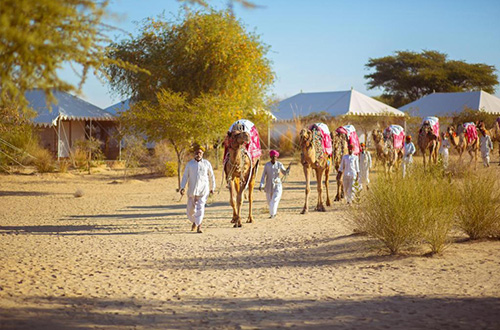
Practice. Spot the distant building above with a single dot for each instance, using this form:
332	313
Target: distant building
69	120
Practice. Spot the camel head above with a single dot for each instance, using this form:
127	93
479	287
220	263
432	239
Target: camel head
377	135
306	137
239	138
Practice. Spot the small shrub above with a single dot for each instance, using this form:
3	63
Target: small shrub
64	166
170	169
402	212
43	161
478	214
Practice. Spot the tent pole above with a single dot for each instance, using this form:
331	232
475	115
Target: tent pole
59	139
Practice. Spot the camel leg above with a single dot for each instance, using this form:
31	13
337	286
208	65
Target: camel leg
232	199
239	202
307	173
327	175
319	175
340	187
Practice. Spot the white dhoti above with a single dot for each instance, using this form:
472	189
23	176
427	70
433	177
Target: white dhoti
446	156
486	157
196	208
273	199
364	177
407	161
348	182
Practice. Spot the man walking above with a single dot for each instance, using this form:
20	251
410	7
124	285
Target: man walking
197	174
349	165
408	152
365	164
486	146
273	187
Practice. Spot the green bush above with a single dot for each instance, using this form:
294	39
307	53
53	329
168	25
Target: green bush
170	169
478	214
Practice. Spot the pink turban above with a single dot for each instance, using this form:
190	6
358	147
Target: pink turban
274	153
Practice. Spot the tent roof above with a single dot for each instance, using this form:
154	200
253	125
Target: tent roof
118	107
68	107
445	104
339	103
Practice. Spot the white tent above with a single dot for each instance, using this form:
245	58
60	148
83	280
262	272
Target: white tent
340	103
445	104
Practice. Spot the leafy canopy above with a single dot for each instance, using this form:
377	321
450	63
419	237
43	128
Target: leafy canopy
207	59
408	76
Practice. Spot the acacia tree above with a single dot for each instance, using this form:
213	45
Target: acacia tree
408	76
206	71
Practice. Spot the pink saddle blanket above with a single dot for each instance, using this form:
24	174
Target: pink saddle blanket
326	139
470	132
398	135
253	148
352	137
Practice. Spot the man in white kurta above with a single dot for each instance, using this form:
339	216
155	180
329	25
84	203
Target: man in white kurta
349	166
365	164
198	175
486	146
272	182
444	150
408	152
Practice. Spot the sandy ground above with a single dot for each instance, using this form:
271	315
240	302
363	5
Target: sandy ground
122	257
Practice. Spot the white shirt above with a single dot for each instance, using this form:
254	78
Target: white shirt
486	144
409	149
445	145
349	165
197	174
365	160
271	175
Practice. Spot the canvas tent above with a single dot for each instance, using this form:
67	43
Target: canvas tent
339	103
445	104
336	104
71	119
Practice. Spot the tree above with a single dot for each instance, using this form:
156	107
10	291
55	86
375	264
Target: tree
206	72
408	76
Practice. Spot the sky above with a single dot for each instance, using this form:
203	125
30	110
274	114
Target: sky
324	45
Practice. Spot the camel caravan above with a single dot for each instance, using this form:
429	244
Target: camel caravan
322	150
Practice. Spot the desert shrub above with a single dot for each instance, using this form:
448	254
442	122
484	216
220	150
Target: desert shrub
478	214
402	212
170	169
79	158
64	166
86	152
162	154
17	145
43	161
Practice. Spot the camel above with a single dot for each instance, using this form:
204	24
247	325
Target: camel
378	139
312	158
461	144
340	143
385	151
428	141
240	172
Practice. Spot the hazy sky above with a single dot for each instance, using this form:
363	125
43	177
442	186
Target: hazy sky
323	45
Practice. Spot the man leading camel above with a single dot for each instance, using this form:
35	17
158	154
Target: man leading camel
273	187
197	174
